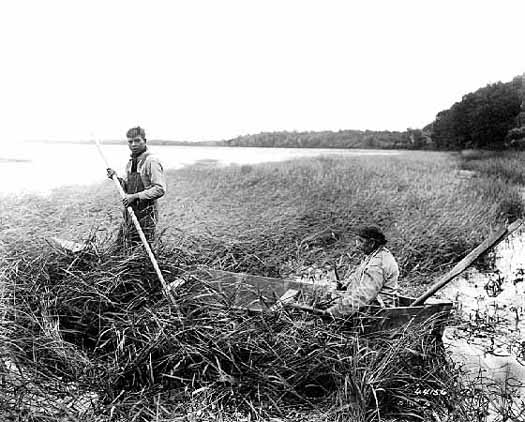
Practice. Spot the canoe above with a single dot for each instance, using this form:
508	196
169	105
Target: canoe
260	294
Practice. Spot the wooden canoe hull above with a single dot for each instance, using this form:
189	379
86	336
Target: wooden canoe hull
256	293
259	294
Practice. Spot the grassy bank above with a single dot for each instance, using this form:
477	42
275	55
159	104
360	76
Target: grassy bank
275	219
505	165
98	318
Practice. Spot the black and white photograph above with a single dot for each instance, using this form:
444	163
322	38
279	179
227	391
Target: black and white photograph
262	211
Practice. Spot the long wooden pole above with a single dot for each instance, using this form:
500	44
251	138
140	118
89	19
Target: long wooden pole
138	228
468	260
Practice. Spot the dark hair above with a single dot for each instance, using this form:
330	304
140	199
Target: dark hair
136	131
372	232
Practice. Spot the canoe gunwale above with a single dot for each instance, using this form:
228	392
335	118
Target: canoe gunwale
264	292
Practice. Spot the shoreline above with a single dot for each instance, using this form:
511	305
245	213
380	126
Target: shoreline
52	166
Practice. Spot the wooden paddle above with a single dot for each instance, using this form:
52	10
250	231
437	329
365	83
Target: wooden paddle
468	260
136	223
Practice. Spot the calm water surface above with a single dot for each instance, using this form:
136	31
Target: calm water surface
488	340
36	167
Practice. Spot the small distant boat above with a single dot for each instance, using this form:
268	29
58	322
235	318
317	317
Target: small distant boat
260	294
14	160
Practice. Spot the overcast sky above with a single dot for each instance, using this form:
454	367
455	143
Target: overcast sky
199	70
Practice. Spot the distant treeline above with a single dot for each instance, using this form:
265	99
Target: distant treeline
493	117
412	138
489	118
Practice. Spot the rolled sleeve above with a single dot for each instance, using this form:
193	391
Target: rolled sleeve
157	181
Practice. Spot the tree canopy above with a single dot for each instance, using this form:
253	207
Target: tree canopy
329	139
482	119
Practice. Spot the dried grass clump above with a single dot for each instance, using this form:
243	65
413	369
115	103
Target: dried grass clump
98	320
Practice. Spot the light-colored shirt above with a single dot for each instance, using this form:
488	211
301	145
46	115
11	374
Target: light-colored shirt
375	278
151	174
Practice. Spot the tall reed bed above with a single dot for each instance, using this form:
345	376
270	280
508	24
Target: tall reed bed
96	324
276	218
506	165
90	334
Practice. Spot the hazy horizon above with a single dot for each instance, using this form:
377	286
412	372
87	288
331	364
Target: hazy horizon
46	167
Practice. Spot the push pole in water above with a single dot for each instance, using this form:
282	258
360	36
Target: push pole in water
469	259
137	226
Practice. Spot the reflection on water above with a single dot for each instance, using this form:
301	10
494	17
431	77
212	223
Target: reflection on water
488	338
38	167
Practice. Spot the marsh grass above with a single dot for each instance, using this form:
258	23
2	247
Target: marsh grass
507	166
274	219
97	320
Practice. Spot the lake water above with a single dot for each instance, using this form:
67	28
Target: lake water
38	167
488	341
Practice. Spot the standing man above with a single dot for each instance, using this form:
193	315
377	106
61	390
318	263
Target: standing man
375	279
143	184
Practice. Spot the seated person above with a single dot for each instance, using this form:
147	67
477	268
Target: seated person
373	281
